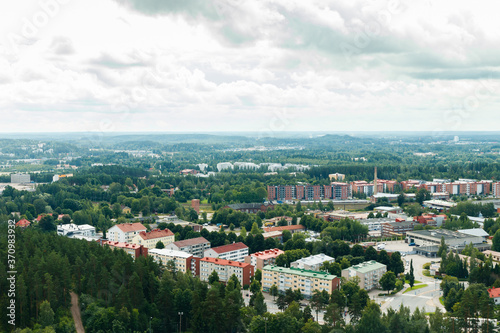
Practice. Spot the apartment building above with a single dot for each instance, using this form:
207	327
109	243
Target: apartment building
369	273
263	258
234	252
125	232
183	261
150	239
496	189
333	191
225	269
305	280
396	228
195	246
312	263
133	249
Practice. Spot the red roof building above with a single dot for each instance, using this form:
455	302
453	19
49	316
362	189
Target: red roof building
225	269
133	249
234	252
23	223
150	239
495	294
263	258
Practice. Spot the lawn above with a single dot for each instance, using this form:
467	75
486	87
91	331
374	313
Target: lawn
414	283
415	288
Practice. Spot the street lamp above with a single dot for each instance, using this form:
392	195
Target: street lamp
150	320
180	321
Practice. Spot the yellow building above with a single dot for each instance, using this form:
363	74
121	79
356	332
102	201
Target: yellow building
150	239
293	278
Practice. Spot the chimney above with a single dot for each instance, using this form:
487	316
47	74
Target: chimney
375	185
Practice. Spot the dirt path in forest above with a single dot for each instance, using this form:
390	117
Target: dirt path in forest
75	312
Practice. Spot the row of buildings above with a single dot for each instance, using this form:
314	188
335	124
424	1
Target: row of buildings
440	189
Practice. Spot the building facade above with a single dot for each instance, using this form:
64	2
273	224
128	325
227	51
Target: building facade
20	178
125	232
304	280
150	239
369	273
234	252
195	246
334	191
182	261
225	269
72	229
263	258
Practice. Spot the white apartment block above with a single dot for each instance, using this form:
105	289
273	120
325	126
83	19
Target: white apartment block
312	263
125	232
234	252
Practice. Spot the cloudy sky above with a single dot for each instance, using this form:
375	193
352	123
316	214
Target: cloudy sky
248	65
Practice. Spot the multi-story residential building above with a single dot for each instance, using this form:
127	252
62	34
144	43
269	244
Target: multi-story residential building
20	178
396	228
496	189
150	239
305	280
495	256
72	229
234	252
195	246
133	249
369	273
225	269
125	232
312	263
182	261
408	184
263	258
334	191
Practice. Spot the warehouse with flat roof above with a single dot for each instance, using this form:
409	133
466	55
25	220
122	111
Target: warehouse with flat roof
433	237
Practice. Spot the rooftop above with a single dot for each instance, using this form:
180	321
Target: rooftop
438	233
191	242
267	254
288	227
230	247
170	253
121	245
494	292
367	266
474	232
314	260
156	233
300	272
225	262
129	227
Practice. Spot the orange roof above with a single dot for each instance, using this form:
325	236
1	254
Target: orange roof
128	227
268	254
288	227
23	223
156	233
494	292
230	247
122	245
225	262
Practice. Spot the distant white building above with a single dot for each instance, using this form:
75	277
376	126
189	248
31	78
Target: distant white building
18	178
71	230
224	166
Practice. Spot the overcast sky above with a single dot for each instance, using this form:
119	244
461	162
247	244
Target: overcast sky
249	65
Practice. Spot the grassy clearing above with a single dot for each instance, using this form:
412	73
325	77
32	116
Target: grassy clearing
415	288
414	283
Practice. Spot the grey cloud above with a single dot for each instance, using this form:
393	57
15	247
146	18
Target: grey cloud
62	46
105	60
457	74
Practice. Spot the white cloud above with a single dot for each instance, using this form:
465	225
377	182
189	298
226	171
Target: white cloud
138	65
